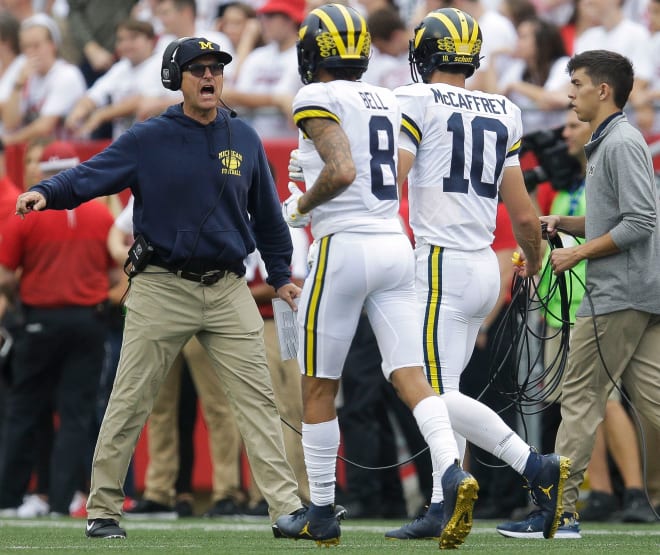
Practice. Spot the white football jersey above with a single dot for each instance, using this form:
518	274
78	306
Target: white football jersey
462	141
371	118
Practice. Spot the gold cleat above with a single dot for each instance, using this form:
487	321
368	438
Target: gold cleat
564	471
459	524
328	543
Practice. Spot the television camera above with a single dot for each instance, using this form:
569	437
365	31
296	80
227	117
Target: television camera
556	165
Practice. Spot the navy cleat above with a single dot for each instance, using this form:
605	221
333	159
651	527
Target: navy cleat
460	490
320	524
532	526
104	528
546	475
427	526
569	527
340	514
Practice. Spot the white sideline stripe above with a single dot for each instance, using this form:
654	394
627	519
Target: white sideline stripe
68	548
241	527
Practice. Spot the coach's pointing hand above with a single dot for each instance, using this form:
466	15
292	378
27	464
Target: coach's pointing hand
29	201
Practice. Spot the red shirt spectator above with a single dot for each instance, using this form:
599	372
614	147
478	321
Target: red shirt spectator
63	255
8	193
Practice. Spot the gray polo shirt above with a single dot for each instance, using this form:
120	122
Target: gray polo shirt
622	198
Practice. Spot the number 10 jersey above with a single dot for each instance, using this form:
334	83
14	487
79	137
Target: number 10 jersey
462	141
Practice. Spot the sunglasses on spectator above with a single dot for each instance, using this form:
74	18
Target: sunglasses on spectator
199	70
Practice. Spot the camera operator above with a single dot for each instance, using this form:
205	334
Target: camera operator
558	156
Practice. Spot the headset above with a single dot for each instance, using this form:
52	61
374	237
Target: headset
170	72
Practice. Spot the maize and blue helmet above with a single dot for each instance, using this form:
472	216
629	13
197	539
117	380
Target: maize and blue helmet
445	38
332	36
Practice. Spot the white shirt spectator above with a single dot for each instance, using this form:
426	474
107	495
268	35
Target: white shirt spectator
7	81
533	118
499	35
654	49
267	70
636	10
53	94
387	71
144	11
206	12
122	81
628	38
9	77
491	4
655	56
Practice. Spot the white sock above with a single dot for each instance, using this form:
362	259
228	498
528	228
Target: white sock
461	443
320	446
513	451
437	494
482	426
433	421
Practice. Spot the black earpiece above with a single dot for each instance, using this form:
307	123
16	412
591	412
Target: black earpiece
170	72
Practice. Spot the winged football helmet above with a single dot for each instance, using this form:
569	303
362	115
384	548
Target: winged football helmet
445	37
332	36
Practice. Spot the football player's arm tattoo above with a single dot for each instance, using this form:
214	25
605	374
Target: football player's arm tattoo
339	169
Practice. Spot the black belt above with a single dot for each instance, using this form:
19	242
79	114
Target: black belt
209	277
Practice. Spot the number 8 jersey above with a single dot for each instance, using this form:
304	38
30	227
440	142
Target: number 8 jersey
371	118
462	141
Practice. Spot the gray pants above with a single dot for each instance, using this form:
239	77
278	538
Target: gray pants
630	344
163	313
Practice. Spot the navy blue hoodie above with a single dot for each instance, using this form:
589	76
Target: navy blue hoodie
201	191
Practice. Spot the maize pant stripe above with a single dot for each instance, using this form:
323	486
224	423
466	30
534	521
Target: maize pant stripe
431	316
312	315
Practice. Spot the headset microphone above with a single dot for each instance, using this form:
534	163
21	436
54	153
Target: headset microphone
232	112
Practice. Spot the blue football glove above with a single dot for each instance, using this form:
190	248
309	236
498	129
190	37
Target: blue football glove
292	215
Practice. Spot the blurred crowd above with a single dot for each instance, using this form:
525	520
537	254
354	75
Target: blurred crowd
88	69
81	70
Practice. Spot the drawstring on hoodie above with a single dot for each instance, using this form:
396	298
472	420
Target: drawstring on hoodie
208	129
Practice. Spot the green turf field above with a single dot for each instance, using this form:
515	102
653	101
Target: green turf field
233	537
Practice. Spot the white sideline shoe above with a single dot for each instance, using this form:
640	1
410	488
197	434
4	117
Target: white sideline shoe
32	507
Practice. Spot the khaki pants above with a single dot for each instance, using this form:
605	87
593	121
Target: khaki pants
551	347
162	428
164	312
651	448
629	341
286	378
